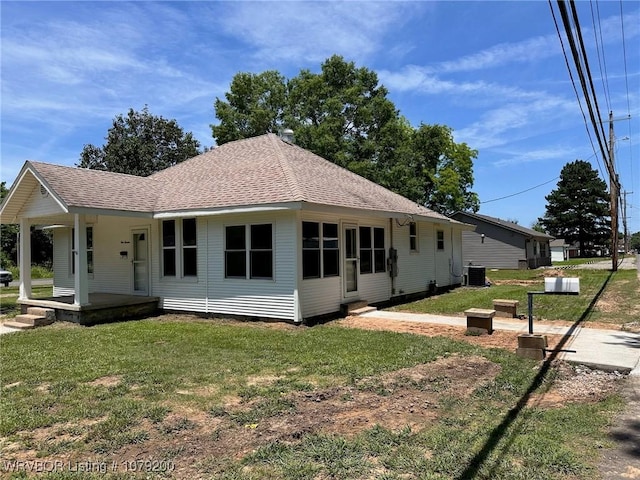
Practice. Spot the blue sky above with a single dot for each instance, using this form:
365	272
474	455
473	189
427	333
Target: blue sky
492	71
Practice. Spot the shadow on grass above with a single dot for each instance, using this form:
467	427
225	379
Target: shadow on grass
498	433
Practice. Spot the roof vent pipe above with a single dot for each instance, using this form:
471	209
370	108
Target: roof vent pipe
287	135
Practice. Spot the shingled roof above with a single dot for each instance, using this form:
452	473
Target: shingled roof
527	232
266	170
81	187
258	171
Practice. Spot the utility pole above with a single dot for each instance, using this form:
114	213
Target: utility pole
624	221
614	190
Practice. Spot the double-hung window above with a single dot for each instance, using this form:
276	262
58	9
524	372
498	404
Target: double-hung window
89	250
372	251
413	236
249	245
440	239
180	248
320	250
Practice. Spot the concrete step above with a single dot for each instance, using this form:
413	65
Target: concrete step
350	307
362	310
33	320
18	325
48	313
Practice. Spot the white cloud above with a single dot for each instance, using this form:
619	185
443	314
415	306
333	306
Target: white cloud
517	121
511	158
505	53
312	31
419	79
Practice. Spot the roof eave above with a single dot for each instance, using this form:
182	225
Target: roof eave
27	168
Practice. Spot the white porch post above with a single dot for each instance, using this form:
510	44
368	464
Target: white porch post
25	259
81	296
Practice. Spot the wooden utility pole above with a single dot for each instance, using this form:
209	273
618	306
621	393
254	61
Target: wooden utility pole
624	221
614	190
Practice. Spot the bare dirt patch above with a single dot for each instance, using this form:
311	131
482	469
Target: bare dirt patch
410	397
498	339
407	397
108	381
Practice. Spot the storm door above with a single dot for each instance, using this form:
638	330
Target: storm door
140	262
350	260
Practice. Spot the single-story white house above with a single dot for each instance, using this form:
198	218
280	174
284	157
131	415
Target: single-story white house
253	228
561	251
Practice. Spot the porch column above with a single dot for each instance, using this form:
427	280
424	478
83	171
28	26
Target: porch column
25	259
81	296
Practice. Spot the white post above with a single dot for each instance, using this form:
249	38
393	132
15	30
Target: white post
25	259
81	296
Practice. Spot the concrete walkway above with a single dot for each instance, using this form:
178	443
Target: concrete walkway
603	349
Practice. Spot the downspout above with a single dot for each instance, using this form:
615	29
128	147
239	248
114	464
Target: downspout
451	262
393	279
206	278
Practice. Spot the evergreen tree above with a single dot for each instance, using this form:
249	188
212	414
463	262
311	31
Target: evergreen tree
578	209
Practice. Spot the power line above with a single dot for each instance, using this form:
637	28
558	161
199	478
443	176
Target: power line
575	89
519	193
601	62
626	82
580	58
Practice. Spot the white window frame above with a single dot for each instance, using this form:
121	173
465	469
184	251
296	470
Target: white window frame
440	240
248	250
414	246
322	249
72	256
178	247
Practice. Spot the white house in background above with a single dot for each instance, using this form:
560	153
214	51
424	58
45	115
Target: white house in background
561	251
255	228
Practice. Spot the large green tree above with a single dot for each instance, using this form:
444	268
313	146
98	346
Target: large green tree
140	144
254	106
343	114
634	241
578	209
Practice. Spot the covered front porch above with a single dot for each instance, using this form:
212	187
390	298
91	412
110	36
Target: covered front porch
101	307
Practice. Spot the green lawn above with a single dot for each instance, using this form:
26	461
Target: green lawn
618	292
215	399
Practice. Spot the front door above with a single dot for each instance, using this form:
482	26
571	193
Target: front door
350	260
140	262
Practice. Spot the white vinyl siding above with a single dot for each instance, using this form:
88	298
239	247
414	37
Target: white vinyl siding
285	296
415	271
40	204
177	292
259	297
112	271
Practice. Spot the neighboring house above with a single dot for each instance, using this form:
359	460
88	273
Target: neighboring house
561	251
254	228
496	243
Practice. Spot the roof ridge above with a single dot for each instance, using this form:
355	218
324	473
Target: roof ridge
283	161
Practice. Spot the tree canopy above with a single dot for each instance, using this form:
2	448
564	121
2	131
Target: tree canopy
140	144
578	209
344	115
